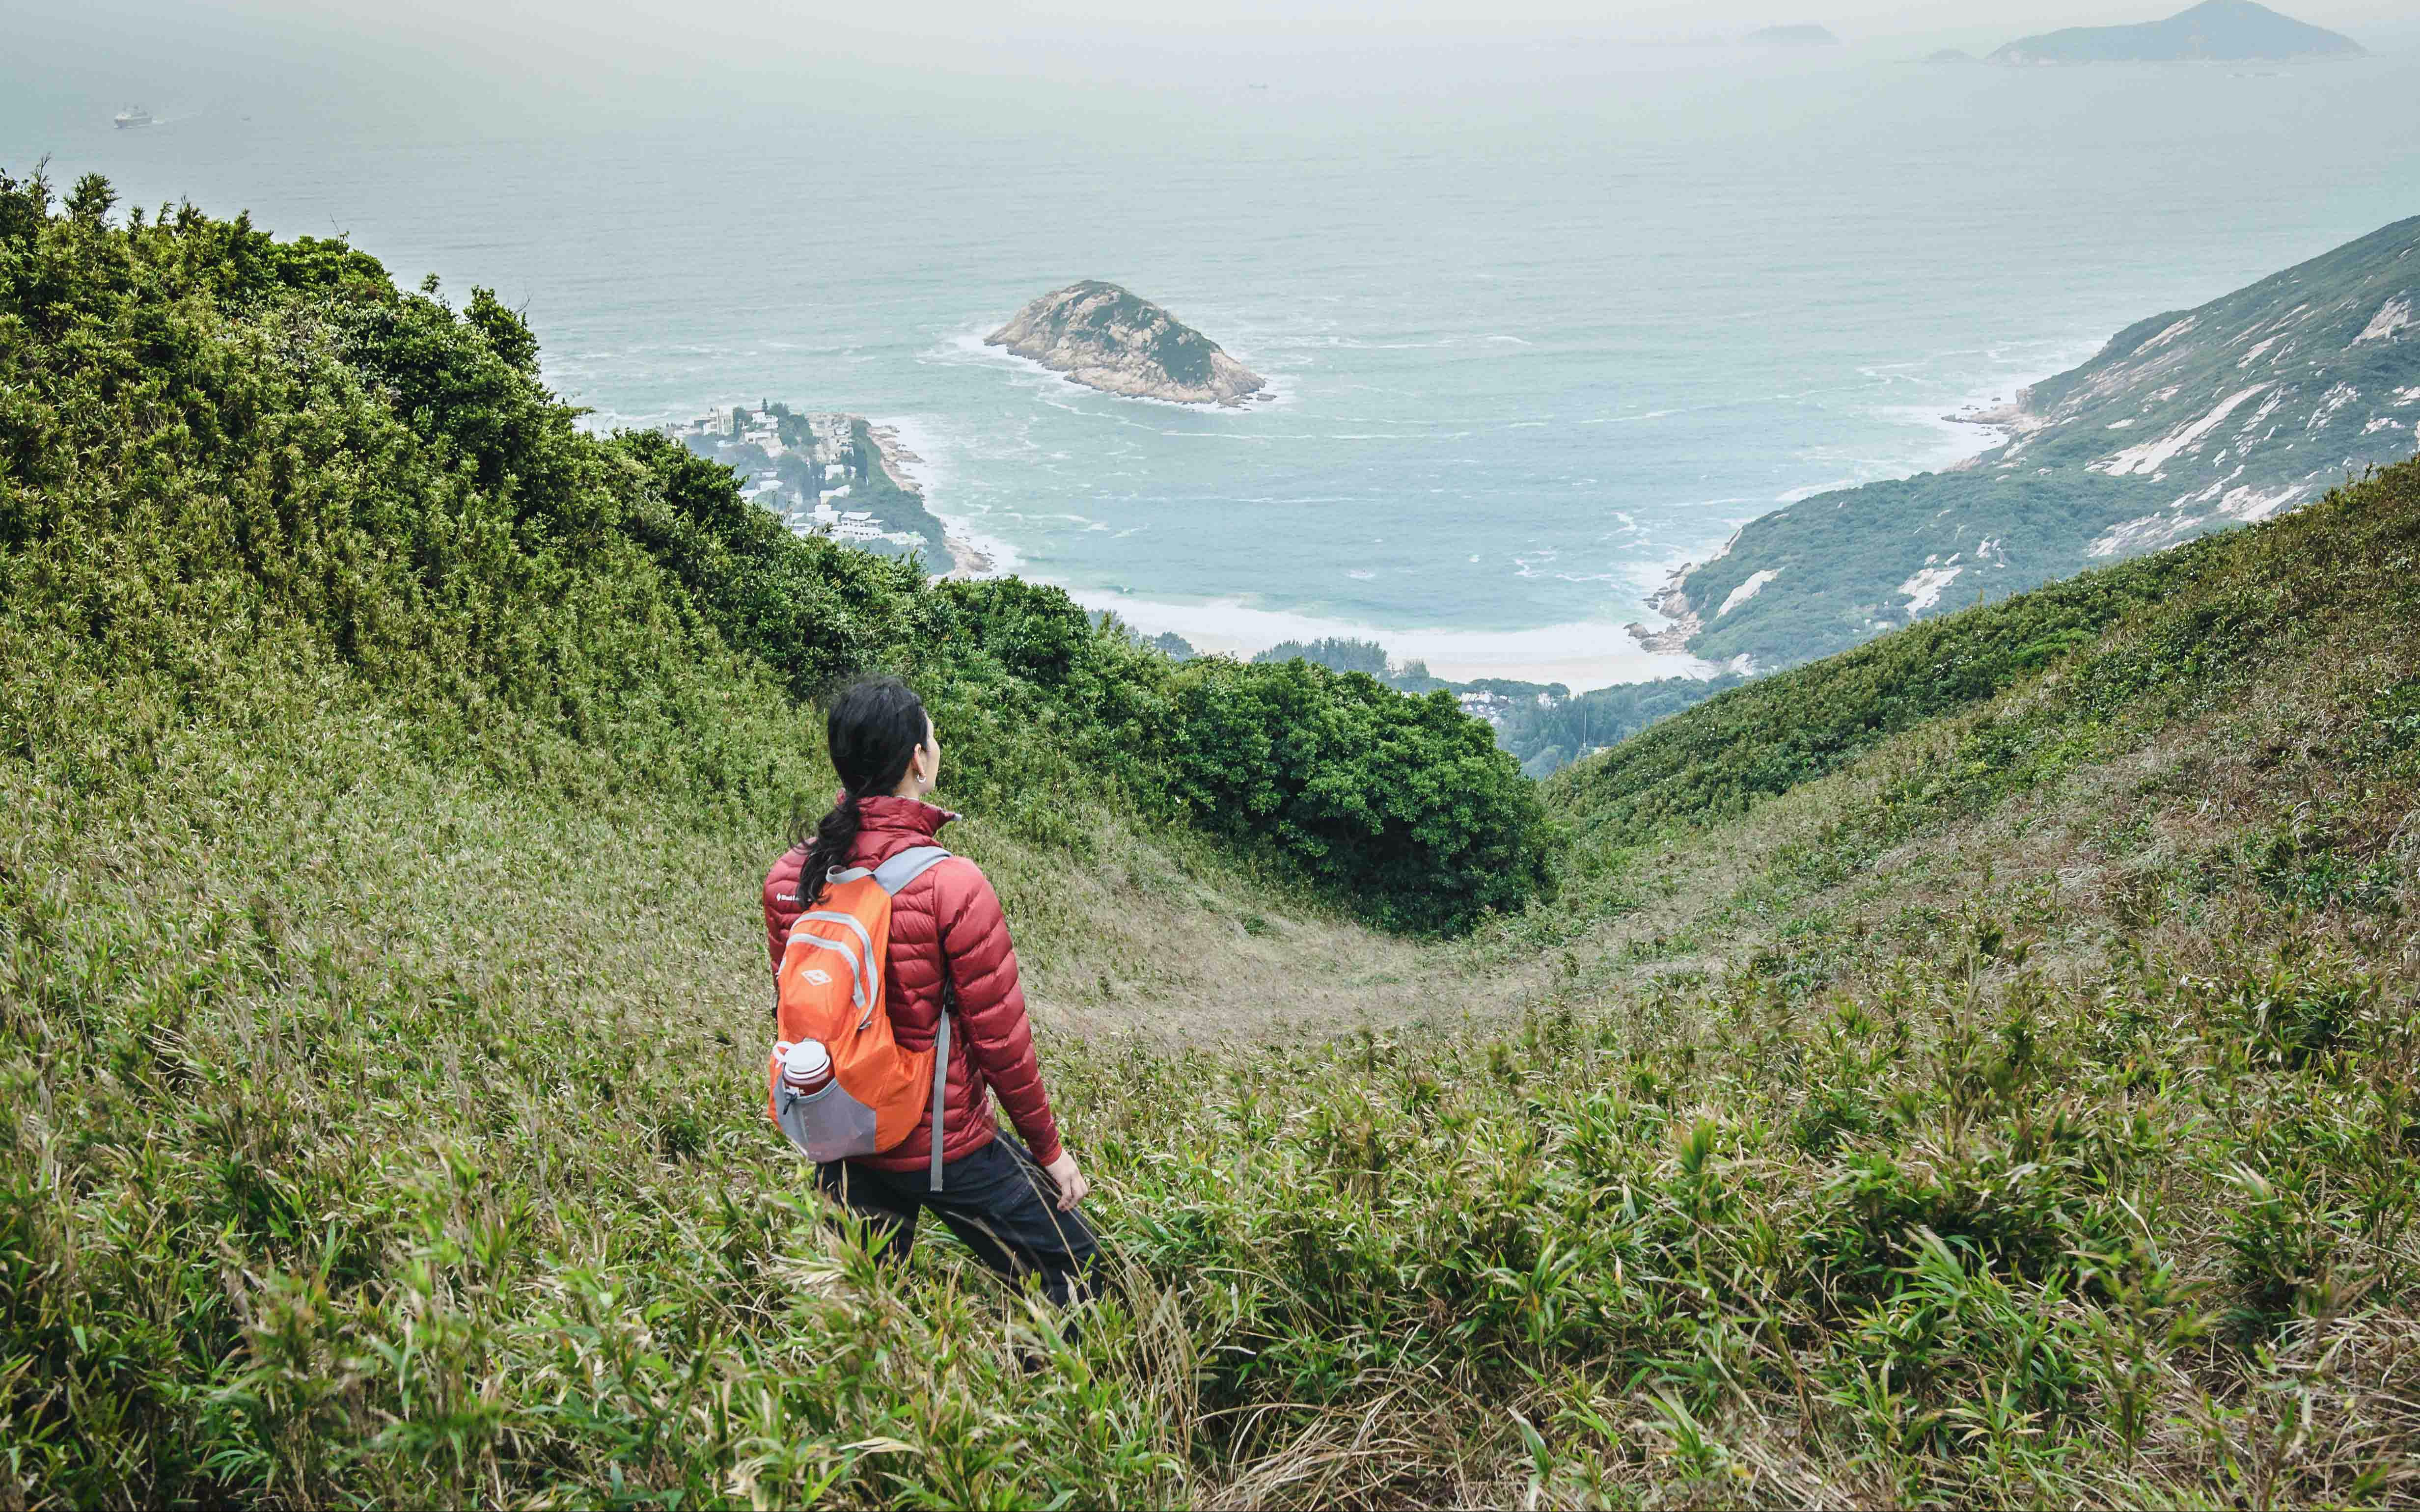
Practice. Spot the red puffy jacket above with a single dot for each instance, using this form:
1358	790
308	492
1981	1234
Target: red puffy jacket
948	914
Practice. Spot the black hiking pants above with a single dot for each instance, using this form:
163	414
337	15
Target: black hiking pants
999	1201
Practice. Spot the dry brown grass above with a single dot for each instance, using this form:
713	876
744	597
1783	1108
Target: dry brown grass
1155	934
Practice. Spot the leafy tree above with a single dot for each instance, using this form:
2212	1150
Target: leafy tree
1402	800
1335	652
88	203
508	337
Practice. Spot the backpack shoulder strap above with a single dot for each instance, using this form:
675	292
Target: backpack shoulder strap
891	877
906	867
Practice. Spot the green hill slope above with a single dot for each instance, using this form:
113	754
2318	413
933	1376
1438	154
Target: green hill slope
2185	423
2004	1099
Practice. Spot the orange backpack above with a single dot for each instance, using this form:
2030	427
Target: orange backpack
829	989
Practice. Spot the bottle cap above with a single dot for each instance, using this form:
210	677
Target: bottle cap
807	1060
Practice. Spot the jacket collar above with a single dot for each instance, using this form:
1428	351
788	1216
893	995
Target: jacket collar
907	816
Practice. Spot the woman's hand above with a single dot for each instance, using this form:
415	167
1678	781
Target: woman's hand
1073	1188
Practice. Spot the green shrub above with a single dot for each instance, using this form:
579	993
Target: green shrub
1403	801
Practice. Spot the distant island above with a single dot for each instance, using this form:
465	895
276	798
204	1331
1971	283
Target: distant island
839	476
1107	338
1802	36
2186	422
2217	31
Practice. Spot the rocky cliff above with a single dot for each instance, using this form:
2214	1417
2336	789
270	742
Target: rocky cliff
835	476
2185	423
1105	338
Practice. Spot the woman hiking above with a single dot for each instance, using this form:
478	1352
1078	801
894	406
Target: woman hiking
1013	1203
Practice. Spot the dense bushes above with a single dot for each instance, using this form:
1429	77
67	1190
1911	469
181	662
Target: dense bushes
207	434
1401	802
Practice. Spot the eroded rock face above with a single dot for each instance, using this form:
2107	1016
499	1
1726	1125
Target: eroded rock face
2187	421
1105	338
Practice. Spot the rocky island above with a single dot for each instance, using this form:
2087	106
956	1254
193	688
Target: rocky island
2217	31
1105	338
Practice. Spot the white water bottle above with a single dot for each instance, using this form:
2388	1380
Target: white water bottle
807	1068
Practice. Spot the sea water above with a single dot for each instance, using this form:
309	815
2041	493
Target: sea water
1535	339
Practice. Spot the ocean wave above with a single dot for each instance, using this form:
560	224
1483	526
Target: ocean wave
1624	420
1353	344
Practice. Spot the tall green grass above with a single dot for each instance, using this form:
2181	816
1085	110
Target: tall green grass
2029	1119
377	1134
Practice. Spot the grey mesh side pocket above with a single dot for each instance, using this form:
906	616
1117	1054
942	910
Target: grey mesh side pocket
828	1124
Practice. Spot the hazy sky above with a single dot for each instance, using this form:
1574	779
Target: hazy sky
1271	19
1023	35
453	65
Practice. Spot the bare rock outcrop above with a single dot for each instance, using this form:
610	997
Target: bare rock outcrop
1672	602
1105	338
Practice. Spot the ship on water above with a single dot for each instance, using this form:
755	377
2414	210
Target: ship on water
134	115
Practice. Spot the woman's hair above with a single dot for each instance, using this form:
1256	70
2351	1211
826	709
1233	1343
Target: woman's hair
873	730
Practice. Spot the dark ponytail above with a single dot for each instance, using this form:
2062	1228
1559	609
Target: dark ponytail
873	730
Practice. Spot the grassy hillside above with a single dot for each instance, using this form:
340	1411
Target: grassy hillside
2005	1098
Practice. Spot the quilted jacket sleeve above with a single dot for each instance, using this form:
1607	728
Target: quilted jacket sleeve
991	1004
782	905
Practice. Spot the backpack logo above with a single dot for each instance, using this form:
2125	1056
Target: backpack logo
818	976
